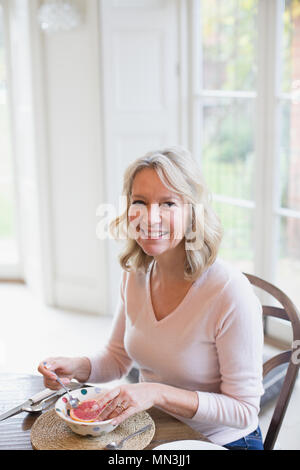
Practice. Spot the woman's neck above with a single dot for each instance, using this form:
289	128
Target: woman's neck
169	267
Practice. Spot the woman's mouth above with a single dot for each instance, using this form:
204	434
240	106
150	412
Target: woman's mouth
154	235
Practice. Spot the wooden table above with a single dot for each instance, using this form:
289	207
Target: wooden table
15	431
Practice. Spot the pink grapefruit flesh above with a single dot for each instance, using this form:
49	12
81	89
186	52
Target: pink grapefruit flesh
87	411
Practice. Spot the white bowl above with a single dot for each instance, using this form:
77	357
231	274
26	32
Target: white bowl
95	428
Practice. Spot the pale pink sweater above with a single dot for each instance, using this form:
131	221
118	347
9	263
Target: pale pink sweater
212	343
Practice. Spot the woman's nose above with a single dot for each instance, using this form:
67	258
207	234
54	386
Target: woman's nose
153	216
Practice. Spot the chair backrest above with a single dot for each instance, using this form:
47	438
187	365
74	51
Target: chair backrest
289	313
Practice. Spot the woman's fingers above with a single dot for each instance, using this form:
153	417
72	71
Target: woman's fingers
109	409
116	405
44	369
108	403
108	397
131	410
119	408
52	384
47	368
116	408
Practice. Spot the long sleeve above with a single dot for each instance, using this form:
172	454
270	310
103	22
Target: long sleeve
112	362
239	344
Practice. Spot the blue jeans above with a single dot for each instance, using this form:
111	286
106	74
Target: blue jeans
251	442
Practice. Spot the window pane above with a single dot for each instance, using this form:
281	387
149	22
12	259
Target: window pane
290	108
8	248
288	265
290	155
229	30
237	244
291	46
228	146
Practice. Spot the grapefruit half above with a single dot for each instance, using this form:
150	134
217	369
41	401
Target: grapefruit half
86	412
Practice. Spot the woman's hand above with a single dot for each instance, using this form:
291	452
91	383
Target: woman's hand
67	368
126	400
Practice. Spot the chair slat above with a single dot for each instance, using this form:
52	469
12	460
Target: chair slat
289	307
275	361
275	312
281	406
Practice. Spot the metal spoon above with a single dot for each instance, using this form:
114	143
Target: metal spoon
74	402
40	406
114	445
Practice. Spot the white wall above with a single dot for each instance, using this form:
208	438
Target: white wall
100	96
59	157
72	86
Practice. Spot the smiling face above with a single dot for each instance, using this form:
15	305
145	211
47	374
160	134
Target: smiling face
157	216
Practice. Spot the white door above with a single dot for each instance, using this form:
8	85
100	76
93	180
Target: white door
139	67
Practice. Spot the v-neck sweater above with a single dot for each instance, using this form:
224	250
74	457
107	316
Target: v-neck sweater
211	343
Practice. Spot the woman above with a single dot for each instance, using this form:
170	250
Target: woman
190	322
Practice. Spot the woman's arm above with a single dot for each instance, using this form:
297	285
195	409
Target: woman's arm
176	400
239	343
112	362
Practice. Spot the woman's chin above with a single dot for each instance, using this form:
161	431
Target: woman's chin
154	247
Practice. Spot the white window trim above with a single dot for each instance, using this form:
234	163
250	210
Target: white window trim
12	271
40	282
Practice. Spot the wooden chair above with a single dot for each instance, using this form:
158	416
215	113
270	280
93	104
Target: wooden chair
289	313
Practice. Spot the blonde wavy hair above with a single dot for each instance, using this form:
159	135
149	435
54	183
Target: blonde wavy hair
180	173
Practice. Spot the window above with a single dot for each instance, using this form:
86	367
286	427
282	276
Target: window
288	213
246	104
227	101
8	243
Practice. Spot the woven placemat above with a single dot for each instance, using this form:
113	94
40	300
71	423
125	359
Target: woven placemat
49	432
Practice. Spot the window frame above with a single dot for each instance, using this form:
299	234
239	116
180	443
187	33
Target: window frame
267	99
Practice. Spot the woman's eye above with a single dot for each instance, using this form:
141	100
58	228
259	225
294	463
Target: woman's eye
138	202
170	204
